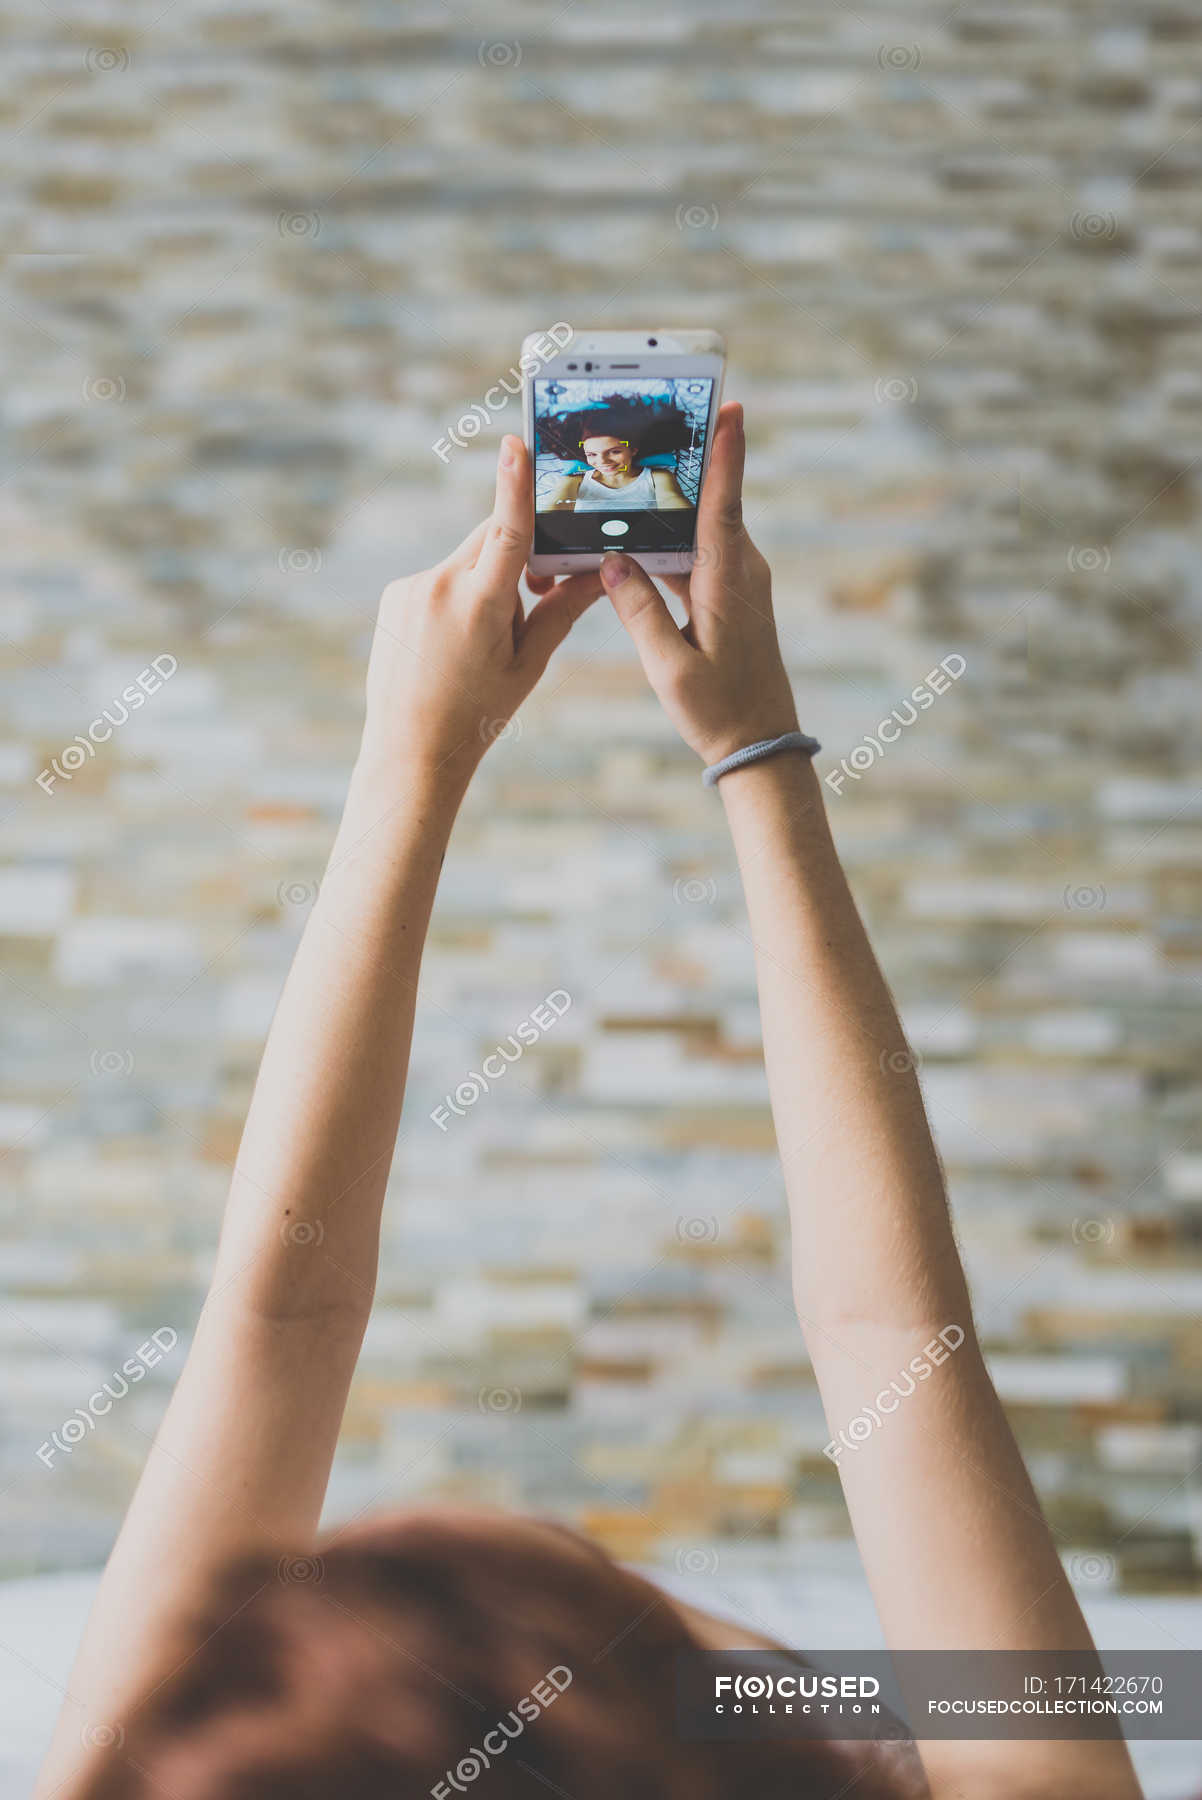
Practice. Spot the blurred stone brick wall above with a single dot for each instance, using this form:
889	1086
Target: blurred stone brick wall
257	260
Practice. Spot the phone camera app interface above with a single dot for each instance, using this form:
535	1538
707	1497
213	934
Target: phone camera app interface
618	463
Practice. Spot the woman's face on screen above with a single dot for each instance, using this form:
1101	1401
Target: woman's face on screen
609	455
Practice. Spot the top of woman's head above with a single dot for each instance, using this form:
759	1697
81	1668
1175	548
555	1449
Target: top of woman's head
378	1667
653	427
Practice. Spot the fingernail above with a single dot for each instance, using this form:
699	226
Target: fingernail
738	417
614	569
509	451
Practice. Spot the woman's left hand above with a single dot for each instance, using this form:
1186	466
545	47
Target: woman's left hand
455	653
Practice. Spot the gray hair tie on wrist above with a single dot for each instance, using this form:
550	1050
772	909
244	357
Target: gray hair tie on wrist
738	759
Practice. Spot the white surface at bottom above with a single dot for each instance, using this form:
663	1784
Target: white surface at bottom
820	1604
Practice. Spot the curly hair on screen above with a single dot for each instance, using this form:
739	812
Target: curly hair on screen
654	427
372	1668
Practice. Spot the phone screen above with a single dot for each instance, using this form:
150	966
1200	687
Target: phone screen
617	464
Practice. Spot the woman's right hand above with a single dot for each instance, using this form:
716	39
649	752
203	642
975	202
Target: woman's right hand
721	678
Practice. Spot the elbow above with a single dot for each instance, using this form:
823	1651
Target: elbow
336	1306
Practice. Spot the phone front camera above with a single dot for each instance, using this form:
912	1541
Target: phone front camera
588	365
653	342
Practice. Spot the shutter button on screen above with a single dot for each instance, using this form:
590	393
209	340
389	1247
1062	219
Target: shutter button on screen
615	527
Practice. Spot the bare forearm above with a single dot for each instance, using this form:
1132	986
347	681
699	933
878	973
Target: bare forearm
881	1293
243	1455
302	1224
859	1165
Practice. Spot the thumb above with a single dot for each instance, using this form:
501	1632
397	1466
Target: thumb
641	608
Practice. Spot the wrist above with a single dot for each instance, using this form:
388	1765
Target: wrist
394	799
394	770
788	778
777	722
391	841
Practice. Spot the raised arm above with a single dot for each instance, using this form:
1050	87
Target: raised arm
668	494
243	1456
562	498
955	1546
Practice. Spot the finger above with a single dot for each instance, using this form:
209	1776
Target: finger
720	512
551	620
539	584
510	532
641	608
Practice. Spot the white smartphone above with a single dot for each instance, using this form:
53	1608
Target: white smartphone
619	426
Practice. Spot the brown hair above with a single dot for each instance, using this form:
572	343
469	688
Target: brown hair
375	1668
650	425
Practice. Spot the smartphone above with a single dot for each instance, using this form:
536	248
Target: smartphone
619	426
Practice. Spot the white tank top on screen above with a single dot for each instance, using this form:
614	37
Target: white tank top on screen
638	496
